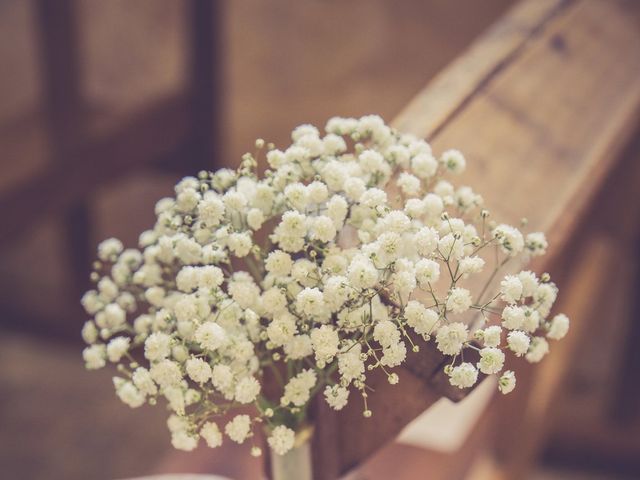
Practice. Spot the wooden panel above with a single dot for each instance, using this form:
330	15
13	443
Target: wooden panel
445	95
541	130
140	139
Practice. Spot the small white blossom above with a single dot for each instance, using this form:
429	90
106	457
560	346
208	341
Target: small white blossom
166	373
142	380
255	218
279	263
529	283
531	320
336	396
222	377
464	375
298	346
510	239
511	289
247	389
537	350
240	244
95	357
409	184
426	241
433	205
373	197
238	429
128	393
559	327
198	370
471	265
325	343
507	382
281	439
491	360
451	247
362	273
459	300
117	348
394	354
109	249
323	229
210	336
210	277
536	243
210	210
183	440
211	434
89	332
420	318
386	333
424	165
427	272
518	342
513	317
282	329
453	161
310	301
350	363
491	336
451	338
298	389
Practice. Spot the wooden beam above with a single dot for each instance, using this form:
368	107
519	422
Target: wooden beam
63	104
60	72
205	82
144	137
448	92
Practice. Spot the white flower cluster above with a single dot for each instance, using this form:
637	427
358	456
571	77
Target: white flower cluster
344	257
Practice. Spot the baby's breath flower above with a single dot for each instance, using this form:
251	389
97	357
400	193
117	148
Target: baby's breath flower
451	338
491	336
459	300
518	342
354	246
95	356
559	327
211	434
464	375
117	348
513	317
281	439
297	390
507	382
491	360
325	343
511	289
336	396
537	350
247	389
198	370
238	429
454	161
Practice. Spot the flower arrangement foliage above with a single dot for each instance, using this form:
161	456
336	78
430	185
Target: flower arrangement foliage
265	290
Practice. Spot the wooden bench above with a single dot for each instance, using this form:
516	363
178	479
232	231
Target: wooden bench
542	105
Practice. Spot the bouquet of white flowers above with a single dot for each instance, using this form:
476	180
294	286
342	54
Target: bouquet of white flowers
349	251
